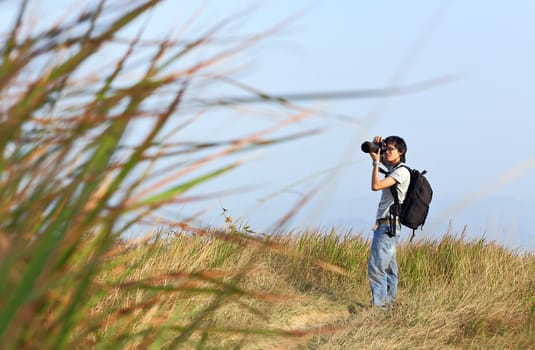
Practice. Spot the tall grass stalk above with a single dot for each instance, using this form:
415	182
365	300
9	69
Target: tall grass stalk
80	143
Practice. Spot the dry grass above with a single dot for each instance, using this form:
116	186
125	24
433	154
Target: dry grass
471	294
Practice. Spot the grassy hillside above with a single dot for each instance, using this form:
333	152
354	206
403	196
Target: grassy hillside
230	291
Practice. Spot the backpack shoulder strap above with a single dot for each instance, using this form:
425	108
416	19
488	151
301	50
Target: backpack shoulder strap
383	171
395	208
393	188
404	166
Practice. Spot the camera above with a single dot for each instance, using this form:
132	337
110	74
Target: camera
372	147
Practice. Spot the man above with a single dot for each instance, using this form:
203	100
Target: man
382	264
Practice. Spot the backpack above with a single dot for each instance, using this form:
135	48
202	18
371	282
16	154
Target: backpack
414	209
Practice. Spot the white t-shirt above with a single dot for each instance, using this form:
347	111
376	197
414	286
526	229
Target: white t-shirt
403	178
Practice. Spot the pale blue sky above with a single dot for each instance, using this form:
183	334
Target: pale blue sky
473	135
470	135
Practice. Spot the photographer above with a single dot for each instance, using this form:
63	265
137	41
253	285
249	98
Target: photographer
382	264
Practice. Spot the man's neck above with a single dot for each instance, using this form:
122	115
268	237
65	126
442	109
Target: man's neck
391	166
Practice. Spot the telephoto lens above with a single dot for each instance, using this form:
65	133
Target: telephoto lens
369	147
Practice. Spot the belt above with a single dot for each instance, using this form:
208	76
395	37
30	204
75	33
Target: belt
383	221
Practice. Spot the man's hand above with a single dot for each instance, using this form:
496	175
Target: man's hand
376	157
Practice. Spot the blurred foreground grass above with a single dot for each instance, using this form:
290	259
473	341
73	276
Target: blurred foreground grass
88	116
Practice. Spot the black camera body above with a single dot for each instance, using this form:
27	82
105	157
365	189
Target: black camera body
372	147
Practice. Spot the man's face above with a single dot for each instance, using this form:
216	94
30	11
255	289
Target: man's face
391	155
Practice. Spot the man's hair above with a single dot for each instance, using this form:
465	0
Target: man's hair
399	143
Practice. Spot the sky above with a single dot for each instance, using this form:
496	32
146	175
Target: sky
472	132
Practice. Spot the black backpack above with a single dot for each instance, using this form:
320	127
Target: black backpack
414	209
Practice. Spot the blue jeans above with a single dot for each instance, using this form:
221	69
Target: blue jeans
383	267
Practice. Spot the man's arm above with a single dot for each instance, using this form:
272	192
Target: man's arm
377	182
